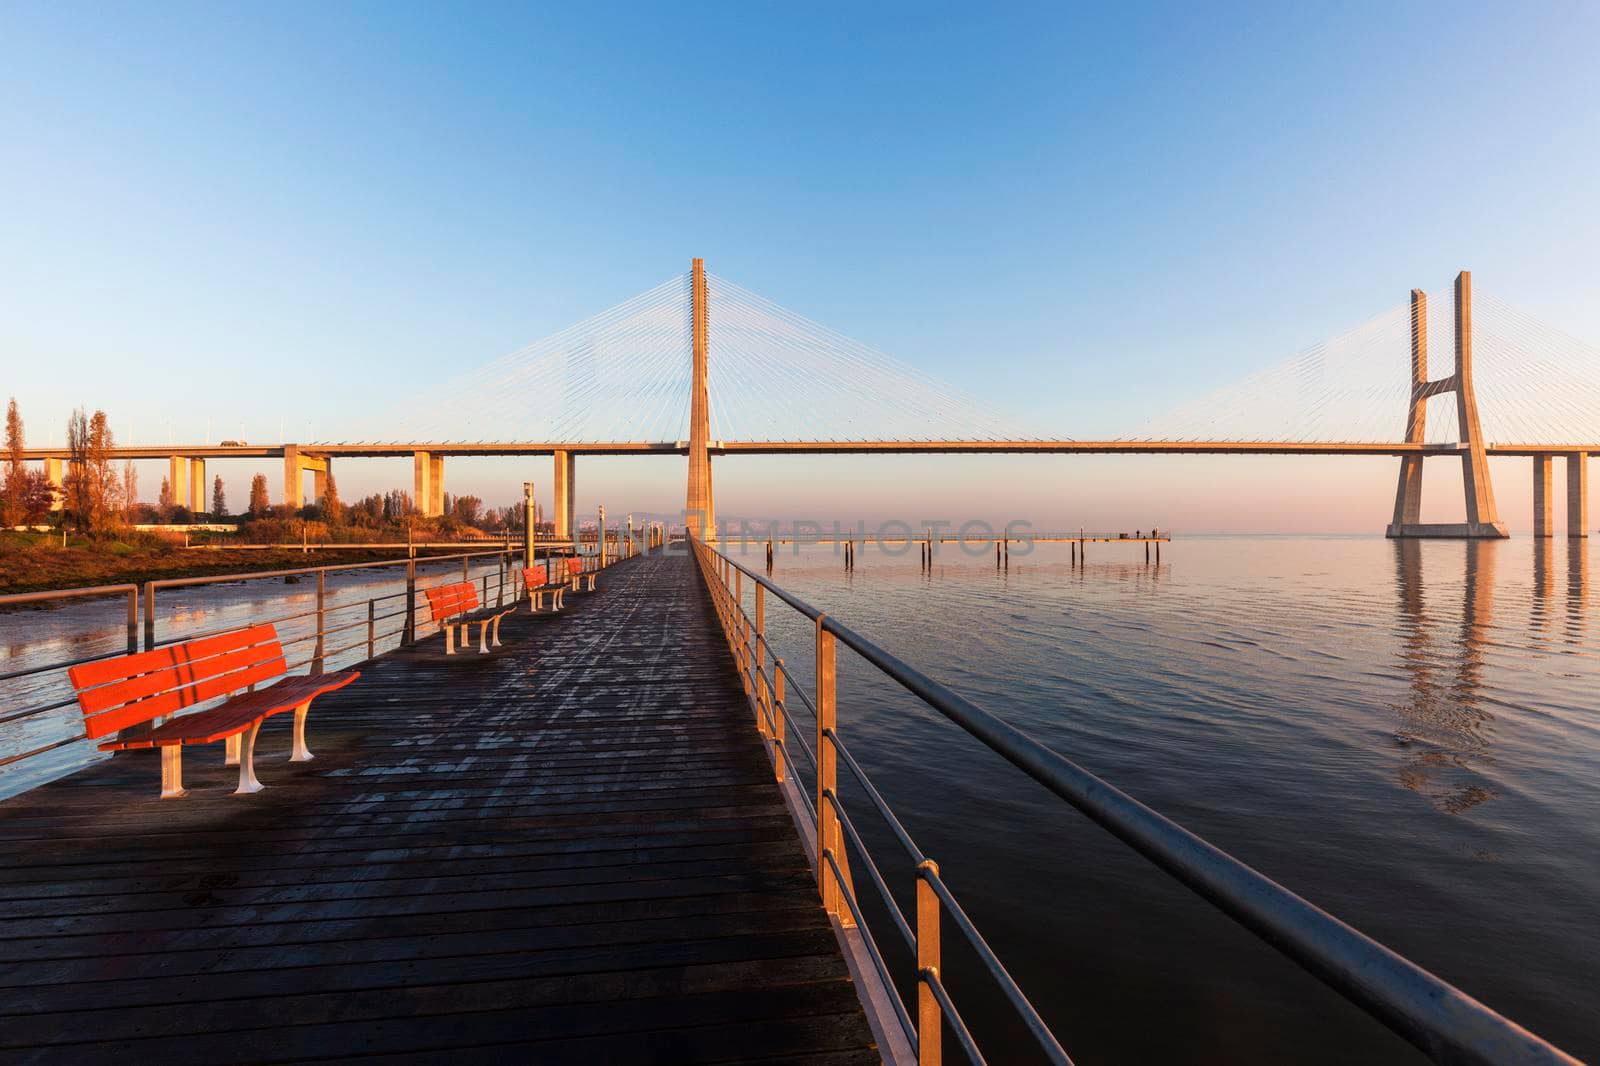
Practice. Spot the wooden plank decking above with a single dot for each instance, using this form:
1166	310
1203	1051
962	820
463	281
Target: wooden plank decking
571	851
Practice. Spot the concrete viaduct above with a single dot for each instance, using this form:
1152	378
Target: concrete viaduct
187	463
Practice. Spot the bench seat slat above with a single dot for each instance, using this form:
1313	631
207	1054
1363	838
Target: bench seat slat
187	696
238	714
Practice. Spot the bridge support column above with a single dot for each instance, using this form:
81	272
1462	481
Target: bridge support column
295	465
699	508
1578	495
52	472
197	486
1482	520
429	483
1543	511
564	510
294	496
178	480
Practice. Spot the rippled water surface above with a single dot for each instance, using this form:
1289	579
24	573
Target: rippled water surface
1404	733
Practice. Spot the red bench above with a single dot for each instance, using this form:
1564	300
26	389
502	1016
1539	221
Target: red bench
131	693
457	605
576	573
536	582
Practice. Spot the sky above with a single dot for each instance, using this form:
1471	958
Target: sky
258	221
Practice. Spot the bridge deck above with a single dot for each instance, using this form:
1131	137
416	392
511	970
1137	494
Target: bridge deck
571	851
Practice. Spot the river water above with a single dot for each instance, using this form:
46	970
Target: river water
1406	734
1403	733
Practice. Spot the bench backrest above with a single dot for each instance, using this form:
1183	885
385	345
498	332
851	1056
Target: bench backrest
117	693
447	601
534	576
575	565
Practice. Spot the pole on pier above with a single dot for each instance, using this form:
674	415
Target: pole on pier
833	869
930	1020
777	719
408	634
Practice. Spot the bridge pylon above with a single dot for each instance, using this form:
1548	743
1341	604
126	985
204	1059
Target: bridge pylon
699	510
1482	520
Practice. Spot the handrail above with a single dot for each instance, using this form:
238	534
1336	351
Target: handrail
1435	1016
504	583
316	634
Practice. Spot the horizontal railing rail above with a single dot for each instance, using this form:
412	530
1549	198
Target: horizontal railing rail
310	649
1440	1019
304	650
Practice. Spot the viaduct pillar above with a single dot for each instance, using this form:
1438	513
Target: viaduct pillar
564	511
197	486
1578	494
699	511
295	464
429	483
1543	507
178	480
52	471
1482	520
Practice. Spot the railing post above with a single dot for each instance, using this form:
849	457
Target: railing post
322	591
371	627
930	1021
466	571
133	619
149	615
830	837
778	769
408	631
763	697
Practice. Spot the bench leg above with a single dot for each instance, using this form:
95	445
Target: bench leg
449	639
300	752
230	751
247	763
495	643
483	638
561	598
172	772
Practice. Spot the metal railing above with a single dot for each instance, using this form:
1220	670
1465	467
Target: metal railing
325	624
1441	1020
331	629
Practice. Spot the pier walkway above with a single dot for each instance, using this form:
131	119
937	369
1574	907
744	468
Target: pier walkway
570	851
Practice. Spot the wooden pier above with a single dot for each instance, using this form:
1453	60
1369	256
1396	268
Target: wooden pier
569	851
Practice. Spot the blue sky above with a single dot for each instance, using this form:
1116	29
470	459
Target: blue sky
277	214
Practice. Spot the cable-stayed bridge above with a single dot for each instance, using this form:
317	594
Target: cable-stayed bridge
700	366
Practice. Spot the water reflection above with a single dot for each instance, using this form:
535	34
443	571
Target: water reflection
1441	723
1577	588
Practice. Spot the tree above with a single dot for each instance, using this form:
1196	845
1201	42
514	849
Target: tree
130	488
219	501
166	503
105	482
77	484
38	496
92	487
260	506
468	509
14	490
332	509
